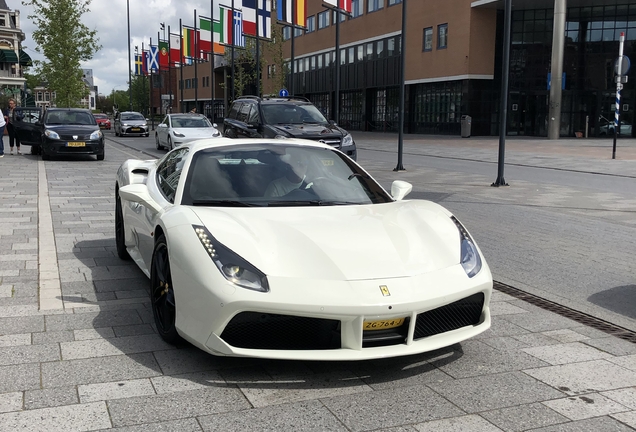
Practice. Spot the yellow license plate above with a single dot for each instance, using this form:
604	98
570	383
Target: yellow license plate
76	144
383	324
135	130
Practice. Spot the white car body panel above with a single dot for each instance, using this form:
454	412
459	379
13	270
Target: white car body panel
410	247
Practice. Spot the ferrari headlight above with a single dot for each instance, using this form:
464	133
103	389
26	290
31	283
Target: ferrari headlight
96	135
347	140
234	268
51	134
470	259
177	134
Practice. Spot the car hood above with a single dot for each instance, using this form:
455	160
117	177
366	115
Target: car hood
207	132
133	122
348	243
309	130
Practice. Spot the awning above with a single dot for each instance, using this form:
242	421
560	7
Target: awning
25	59
8	56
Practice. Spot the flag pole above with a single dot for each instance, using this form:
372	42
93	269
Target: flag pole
196	64
129	65
232	42
293	32
212	94
152	114
258	53
336	115
169	71
159	72
181	63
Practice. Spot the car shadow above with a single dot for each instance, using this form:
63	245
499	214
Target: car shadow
619	299
116	294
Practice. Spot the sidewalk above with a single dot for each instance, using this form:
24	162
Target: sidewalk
95	362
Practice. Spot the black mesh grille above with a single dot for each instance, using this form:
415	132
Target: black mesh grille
256	330
462	313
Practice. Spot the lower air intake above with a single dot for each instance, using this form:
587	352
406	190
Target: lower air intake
462	313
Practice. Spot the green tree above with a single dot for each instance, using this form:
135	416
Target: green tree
140	88
280	67
65	42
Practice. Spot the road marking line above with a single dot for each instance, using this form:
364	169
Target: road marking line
50	288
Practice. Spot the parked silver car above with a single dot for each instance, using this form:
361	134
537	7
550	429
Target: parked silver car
130	123
178	129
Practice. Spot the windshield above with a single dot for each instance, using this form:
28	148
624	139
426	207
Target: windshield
278	175
132	116
283	113
69	118
190	122
100	116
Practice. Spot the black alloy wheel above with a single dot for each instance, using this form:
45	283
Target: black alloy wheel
120	236
162	293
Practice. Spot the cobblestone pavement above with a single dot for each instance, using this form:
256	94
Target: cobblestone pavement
88	357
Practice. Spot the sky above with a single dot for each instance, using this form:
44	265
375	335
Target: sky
109	18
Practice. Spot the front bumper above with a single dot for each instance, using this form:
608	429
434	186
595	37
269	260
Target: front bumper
134	130
324	320
62	147
104	126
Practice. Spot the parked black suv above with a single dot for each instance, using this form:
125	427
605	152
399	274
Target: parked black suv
289	117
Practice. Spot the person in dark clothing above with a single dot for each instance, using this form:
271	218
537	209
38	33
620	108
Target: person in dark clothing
10	118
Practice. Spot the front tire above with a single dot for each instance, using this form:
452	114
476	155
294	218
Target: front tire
162	293
159	146
169	144
120	232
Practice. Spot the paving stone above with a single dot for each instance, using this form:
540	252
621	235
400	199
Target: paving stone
187	359
92	320
505	343
52	397
14	355
15	340
585	406
52	337
629	418
504	390
187	382
613	345
71	417
566	353
474	357
306	416
10	402
104	369
536	339
472	423
626	397
504	308
390	408
115	390
134	330
113	346
565	335
524	417
183	425
598	424
586	377
502	327
94	333
172	406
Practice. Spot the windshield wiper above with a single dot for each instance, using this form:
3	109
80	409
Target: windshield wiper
222	203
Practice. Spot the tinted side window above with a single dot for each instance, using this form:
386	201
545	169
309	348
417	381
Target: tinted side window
169	173
253	116
234	110
244	112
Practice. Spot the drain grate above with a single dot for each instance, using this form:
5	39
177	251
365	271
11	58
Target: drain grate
575	315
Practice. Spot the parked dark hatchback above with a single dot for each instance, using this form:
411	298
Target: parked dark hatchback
60	131
288	117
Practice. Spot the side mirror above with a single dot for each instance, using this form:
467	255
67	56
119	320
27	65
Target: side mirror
400	189
333	123
138	193
161	125
215	125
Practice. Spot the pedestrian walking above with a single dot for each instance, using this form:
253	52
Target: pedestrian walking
10	119
2	124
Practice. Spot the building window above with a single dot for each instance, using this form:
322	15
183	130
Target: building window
3	21
286	33
269	71
188	84
360	53
442	36
343	17
380	48
319	61
394	2
39	96
428	39
312	64
298	31
351	55
323	20
357	8
311	24
47	96
374	5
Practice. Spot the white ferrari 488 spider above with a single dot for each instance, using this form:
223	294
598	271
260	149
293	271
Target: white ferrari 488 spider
288	249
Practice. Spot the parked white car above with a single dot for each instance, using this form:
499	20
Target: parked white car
178	129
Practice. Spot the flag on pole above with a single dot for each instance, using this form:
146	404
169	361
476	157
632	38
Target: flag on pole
344	5
153	64
209	39
188	42
138	64
175	48
287	14
264	16
249	17
164	58
144	63
226	25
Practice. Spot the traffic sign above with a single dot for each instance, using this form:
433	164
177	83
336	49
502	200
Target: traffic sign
625	65
283	93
